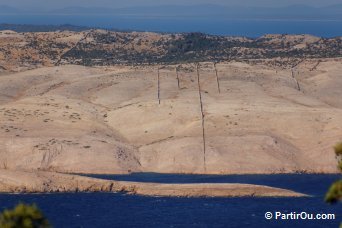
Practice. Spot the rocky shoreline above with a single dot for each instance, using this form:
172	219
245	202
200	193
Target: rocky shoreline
49	182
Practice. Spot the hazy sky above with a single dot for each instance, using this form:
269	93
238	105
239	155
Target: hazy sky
51	4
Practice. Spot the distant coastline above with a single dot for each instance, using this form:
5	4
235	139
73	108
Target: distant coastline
46	27
215	26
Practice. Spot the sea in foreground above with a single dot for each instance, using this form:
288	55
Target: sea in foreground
120	210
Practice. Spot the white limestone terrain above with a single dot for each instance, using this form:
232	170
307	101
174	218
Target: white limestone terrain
256	118
247	109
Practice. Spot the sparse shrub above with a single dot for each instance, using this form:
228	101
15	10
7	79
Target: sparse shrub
338	149
23	216
335	192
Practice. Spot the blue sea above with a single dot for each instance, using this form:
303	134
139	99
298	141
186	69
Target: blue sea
220	26
120	210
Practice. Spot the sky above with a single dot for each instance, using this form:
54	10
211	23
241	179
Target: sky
56	4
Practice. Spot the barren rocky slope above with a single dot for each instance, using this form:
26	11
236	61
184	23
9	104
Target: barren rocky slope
109	120
254	111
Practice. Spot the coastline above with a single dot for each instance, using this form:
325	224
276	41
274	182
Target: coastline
48	182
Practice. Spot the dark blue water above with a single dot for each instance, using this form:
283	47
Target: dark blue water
249	28
118	210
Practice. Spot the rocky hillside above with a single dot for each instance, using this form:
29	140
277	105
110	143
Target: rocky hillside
99	47
113	102
247	118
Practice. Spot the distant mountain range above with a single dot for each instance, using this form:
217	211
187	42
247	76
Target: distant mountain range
42	28
291	12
